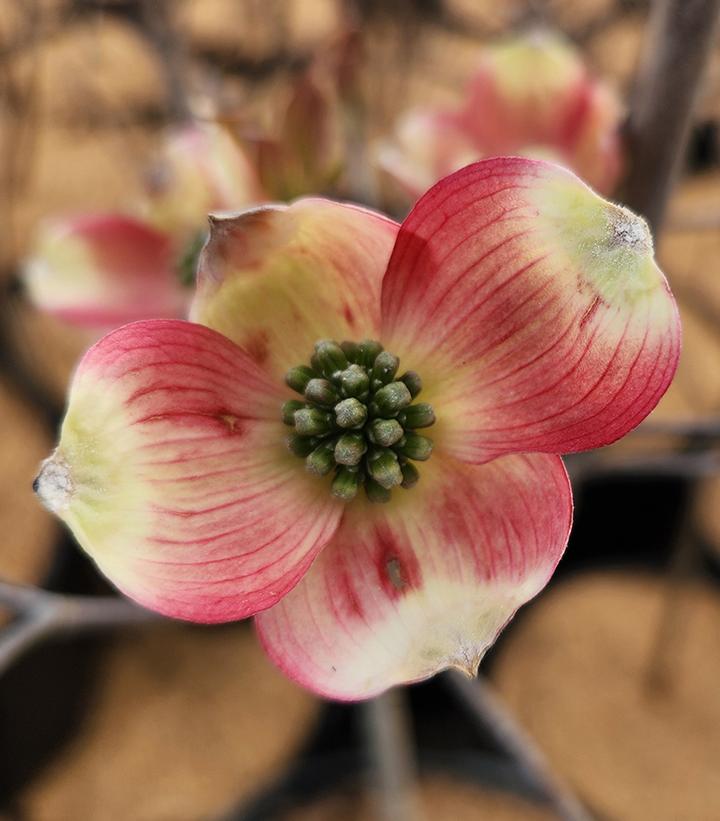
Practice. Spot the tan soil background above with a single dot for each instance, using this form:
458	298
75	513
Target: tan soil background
184	722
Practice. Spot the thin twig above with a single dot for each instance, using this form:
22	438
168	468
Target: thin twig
40	614
488	710
157	25
678	46
678	464
707	427
387	730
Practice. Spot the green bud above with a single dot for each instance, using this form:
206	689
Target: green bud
392	398
186	266
313	422
350	449
412	382
297	378
321	392
288	410
300	445
417	416
410	474
346	483
385	432
321	460
384	468
415	446
354	381
331	357
350	413
368	351
376	492
350	349
384	369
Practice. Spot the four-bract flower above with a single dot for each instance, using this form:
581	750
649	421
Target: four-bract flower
529	319
101	270
530	94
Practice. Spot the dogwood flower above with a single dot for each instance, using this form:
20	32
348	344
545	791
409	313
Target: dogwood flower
530	95
388	520
101	270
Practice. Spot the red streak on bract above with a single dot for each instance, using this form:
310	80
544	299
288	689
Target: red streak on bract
346	593
592	308
397	566
256	346
349	316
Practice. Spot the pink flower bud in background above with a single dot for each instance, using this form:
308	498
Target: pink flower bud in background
202	169
301	155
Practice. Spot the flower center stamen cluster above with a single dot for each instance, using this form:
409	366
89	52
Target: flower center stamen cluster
358	419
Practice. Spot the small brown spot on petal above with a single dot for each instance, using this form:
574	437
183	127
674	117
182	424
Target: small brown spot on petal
395	573
232	422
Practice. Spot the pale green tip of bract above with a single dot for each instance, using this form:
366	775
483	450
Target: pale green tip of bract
610	246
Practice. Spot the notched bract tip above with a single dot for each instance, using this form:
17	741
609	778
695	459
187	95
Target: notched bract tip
221	221
629	230
53	484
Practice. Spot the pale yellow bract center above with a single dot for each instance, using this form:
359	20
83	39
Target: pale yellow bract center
610	246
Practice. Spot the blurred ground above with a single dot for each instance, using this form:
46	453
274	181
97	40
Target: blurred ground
182	723
579	675
438	798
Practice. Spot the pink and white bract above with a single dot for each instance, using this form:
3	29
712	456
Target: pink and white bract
102	270
540	324
530	95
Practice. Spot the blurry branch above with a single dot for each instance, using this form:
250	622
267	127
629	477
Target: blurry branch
695	456
708	428
680	464
677	49
157	26
387	733
255	68
40	614
490	713
616	12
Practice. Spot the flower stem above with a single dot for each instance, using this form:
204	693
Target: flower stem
488	710
677	49
387	730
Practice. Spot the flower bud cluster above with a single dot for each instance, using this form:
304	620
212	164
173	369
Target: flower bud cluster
357	419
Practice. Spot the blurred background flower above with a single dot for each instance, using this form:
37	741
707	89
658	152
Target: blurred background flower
531	95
